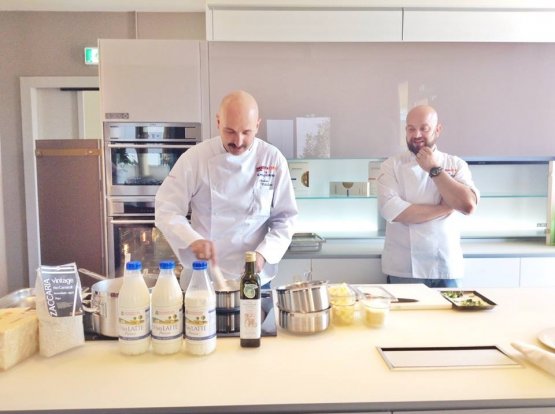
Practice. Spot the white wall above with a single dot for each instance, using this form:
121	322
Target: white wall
3	269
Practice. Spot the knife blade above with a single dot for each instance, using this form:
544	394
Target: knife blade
405	300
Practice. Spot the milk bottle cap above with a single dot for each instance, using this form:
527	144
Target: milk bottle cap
135	265
167	264
199	265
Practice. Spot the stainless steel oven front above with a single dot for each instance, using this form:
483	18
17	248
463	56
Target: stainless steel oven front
139	156
132	235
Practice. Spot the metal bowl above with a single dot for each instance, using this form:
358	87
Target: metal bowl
22	298
227	299
303	297
227	321
304	323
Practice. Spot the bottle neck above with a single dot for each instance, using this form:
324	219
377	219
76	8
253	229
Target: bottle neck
166	273
133	273
250	268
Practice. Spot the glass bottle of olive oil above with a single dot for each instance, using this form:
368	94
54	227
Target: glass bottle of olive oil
250	304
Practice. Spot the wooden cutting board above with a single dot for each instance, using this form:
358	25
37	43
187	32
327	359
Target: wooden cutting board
427	298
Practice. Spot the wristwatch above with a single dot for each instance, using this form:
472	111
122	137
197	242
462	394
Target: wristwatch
435	171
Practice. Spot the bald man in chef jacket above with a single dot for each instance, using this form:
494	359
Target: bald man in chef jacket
240	195
422	194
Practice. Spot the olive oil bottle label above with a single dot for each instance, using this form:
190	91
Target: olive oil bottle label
249	290
250	318
167	322
134	324
200	323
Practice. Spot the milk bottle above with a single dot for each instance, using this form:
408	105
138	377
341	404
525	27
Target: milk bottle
167	311
133	311
200	312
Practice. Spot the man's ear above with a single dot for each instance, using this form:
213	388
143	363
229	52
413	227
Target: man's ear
439	128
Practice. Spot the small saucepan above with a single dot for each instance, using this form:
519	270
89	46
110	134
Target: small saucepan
303	297
227	311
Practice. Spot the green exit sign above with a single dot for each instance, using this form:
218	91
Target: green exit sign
91	56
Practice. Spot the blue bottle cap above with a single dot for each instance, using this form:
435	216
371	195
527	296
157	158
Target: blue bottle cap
135	265
199	265
167	264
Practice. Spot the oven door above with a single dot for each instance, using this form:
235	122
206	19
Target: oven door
139	169
137	238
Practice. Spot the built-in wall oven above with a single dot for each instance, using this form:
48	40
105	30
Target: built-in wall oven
132	235
138	157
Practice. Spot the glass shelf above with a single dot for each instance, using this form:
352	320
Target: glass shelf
482	196
513	195
336	197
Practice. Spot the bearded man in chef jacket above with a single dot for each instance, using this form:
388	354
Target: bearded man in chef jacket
239	192
421	195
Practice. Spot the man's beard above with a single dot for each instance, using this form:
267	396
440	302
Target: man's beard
415	148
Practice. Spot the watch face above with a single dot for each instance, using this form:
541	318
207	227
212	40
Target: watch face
435	171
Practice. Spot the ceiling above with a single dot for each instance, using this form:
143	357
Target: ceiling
105	5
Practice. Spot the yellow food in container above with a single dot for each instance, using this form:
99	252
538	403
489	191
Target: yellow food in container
343	301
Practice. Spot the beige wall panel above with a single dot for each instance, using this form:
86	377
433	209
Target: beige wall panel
49	44
171	26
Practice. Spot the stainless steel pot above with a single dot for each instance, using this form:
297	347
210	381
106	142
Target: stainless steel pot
104	305
227	311
227	299
309	296
304	323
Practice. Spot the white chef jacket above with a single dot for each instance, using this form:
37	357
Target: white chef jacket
240	202
429	250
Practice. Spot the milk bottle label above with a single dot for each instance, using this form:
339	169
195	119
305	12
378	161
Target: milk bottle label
134	324
200	323
167	322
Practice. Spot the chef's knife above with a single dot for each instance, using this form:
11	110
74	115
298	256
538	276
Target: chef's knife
404	300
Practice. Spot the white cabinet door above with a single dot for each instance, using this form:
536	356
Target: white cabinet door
485	411
537	272
304	25
491	272
291	270
150	80
479	25
348	270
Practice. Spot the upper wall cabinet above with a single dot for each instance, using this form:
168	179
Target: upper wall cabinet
304	25
471	25
150	80
381	20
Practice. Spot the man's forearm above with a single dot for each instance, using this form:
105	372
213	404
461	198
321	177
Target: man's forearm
457	195
420	213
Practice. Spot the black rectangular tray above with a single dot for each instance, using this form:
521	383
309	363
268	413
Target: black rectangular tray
484	304
447	357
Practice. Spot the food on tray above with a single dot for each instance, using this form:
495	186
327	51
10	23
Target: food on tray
467	299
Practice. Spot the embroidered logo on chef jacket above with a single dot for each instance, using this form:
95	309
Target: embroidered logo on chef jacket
265	175
451	171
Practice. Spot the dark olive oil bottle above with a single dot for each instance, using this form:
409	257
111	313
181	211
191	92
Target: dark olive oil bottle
250	304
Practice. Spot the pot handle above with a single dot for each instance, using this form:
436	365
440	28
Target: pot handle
92	274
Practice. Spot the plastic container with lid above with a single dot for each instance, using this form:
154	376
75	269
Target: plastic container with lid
343	304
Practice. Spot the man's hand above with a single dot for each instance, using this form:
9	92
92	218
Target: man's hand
204	250
260	262
426	159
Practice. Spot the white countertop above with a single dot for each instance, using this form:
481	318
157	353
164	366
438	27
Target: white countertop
372	248
340	367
